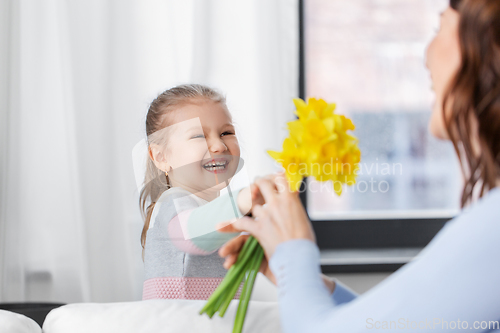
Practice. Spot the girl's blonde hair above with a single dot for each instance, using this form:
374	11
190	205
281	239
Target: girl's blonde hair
156	181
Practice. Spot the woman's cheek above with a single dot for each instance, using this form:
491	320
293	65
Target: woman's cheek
436	125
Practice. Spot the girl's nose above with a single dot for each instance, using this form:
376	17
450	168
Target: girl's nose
217	146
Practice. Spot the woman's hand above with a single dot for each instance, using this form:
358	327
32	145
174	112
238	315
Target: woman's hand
282	218
231	250
248	198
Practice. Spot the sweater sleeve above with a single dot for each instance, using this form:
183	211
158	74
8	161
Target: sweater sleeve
452	283
342	294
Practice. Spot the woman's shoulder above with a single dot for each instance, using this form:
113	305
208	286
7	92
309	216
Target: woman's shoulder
486	208
480	220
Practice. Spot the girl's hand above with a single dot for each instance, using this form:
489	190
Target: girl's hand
231	250
282	218
251	196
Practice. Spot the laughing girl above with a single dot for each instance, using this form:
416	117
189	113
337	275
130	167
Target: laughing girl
193	154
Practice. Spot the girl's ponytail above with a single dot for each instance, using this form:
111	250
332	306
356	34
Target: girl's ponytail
155	183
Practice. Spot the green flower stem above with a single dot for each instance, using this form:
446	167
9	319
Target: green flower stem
231	275
247	264
247	290
213	309
231	293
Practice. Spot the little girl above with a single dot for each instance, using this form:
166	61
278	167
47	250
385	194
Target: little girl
193	153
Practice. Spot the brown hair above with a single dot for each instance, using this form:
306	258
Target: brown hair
156	180
473	123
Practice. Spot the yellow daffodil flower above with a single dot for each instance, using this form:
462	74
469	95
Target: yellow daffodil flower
319	146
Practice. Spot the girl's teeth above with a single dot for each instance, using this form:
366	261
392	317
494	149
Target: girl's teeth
213	167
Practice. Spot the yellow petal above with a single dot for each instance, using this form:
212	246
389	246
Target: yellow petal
337	188
274	154
328	110
316	128
329	124
347	124
318	141
299	103
294	180
296	130
289	146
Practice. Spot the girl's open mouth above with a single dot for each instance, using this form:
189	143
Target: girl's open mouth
218	165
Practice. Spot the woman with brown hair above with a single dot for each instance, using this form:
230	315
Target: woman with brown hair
455	281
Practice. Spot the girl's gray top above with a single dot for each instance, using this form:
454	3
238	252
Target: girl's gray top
182	240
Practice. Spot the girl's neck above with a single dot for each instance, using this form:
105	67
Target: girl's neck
207	195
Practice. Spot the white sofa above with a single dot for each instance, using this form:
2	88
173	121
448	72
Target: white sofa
172	316
11	322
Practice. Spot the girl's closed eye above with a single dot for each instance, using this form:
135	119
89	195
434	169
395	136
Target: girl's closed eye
198	136
227	133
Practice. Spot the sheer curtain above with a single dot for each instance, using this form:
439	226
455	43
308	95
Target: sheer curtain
75	82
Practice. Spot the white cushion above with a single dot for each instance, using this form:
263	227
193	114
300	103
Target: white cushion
264	290
172	316
12	322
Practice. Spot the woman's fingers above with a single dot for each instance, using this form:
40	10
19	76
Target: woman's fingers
243	224
267	188
282	218
282	184
231	250
259	212
256	194
254	190
226	226
257	198
230	260
233	246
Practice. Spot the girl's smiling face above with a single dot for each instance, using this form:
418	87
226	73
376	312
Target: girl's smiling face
201	151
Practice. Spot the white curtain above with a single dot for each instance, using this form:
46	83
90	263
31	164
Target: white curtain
76	78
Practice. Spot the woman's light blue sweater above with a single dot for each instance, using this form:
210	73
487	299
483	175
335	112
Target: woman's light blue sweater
453	284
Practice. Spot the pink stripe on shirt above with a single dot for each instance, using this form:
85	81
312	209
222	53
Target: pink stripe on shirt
181	288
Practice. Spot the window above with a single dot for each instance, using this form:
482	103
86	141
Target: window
369	58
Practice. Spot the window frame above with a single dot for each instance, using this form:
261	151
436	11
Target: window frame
363	233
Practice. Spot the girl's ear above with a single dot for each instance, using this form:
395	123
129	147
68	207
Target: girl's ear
157	155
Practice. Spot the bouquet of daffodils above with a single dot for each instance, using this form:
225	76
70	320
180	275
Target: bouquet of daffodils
319	146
